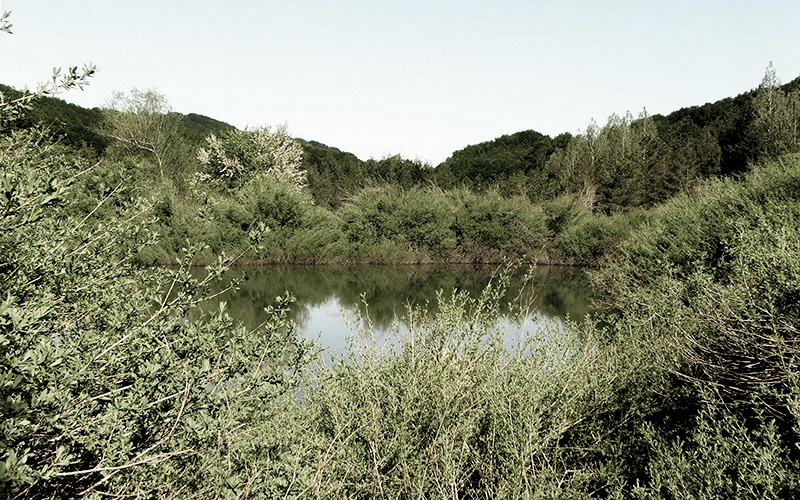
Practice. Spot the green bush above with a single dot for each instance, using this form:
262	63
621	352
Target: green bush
593	239
722	457
708	289
489	227
318	238
105	387
275	204
447	410
388	224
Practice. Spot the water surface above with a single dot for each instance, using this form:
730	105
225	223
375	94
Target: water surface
329	298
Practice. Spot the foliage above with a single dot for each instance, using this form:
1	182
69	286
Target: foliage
449	412
333	175
708	287
643	161
723	456
113	383
239	155
336	177
495	161
592	240
142	121
76	126
12	109
196	127
733	249
105	386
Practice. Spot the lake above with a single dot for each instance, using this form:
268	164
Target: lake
330	298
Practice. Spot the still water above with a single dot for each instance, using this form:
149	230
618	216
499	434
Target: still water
330	299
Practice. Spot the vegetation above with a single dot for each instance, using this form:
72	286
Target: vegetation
113	383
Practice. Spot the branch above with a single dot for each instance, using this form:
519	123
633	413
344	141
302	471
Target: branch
161	456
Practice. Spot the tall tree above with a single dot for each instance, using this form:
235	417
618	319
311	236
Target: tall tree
142	121
776	116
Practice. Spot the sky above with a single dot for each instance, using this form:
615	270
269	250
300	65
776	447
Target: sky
417	78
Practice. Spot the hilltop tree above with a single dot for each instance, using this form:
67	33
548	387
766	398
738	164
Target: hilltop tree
776	116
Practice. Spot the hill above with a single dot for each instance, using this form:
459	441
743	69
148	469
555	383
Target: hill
522	153
635	161
78	127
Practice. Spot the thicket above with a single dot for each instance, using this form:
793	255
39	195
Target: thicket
689	389
707	291
568	200
104	384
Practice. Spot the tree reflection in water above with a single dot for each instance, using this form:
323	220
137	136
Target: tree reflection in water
330	298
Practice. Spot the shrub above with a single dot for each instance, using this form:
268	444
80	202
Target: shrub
593	240
489	227
105	387
238	156
708	288
449	411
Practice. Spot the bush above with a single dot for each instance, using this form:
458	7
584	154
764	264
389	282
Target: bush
489	227
593	240
449	411
105	387
388	224
722	457
709	290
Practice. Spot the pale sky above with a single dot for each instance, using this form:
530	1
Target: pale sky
421	79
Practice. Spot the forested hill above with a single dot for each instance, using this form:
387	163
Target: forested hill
523	153
80	127
635	160
197	127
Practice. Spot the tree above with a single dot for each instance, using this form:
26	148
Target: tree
241	154
777	116
143	121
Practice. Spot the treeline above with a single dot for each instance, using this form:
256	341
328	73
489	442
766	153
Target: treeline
567	200
637	161
630	161
270	198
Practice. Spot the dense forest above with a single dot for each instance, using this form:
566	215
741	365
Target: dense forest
684	383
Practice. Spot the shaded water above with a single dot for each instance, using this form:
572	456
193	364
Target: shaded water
330	298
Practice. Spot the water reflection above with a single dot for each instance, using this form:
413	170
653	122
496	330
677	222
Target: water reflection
329	298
